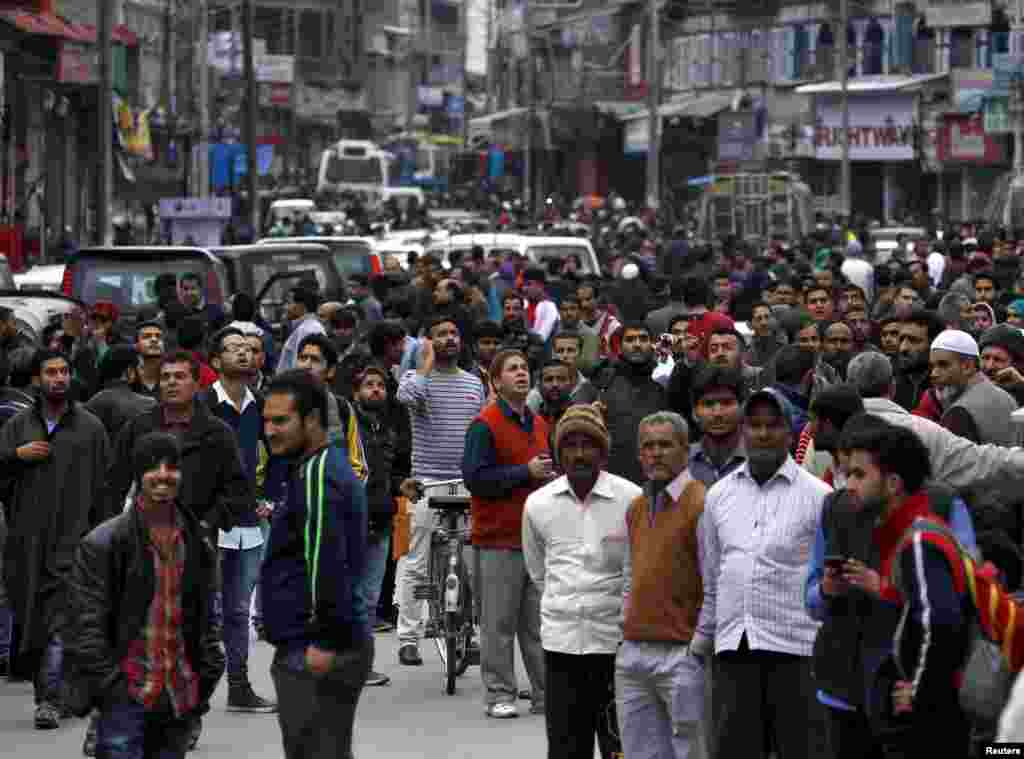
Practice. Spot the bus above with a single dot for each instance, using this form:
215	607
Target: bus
357	167
423	160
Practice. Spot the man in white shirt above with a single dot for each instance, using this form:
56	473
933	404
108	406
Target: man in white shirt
541	313
302	313
574	544
760	522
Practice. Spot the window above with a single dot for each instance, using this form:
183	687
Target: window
924	51
824	55
267	26
874	48
961	48
311	42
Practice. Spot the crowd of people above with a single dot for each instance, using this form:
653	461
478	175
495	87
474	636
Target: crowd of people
723	497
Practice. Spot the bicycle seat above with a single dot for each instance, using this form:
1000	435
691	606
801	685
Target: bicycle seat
448	502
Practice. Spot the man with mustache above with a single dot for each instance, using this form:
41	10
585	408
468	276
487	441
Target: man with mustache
915	336
53	459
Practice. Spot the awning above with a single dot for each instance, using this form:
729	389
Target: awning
484	126
620	109
869	84
50	25
491	118
699	107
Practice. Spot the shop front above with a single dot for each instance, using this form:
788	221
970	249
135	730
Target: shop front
971	161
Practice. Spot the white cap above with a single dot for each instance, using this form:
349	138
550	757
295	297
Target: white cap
630	271
956	341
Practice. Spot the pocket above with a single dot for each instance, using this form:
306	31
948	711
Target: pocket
687	693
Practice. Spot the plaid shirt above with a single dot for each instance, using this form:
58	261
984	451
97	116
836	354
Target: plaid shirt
156	662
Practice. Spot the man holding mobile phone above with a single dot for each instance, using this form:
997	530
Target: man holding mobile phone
506	458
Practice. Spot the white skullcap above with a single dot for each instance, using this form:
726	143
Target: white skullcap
249	329
956	341
630	271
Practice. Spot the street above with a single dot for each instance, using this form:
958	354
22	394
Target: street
410	718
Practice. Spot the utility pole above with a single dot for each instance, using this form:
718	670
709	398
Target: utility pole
844	129
249	131
104	185
653	107
531	112
203	150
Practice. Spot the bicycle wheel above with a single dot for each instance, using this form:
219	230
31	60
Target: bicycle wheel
452	653
465	633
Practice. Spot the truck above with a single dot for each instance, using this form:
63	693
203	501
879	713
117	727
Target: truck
756	206
357	167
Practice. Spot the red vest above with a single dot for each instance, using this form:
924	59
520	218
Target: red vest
498	522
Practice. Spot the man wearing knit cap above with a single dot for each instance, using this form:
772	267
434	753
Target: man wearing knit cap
973	407
574	543
760	522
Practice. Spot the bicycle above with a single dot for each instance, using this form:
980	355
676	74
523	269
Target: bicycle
448	594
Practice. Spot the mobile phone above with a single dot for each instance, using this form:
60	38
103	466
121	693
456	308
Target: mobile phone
666	340
835	562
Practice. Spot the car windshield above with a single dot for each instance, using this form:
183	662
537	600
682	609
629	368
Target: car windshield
285	262
363	170
350	257
132	282
541	254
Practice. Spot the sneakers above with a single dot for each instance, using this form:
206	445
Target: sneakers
536	708
502	711
5	666
377	678
47	716
242	698
409	655
89	744
383	627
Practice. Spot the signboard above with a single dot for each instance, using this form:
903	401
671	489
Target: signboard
273	94
195	208
320	103
881	128
279	69
737	134
970	87
946	14
637	134
78	63
962	139
1005	67
430	97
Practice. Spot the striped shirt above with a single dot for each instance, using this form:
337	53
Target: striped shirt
441	408
758	541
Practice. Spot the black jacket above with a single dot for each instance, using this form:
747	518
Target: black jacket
629	394
213	484
389	463
117	404
112	584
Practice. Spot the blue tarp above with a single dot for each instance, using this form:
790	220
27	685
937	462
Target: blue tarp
227	162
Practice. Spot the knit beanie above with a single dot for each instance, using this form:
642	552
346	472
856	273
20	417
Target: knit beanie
585	418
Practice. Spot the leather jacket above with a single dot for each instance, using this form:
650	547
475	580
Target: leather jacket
112	586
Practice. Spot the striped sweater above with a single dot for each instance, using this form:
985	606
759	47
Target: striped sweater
441	407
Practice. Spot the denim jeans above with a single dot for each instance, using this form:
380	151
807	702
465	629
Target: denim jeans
377	551
125	730
49	671
257	608
240	571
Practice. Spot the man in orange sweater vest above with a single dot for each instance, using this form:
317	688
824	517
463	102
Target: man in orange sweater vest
506	458
659	682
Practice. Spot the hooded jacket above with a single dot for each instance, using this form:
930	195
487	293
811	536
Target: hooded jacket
629	394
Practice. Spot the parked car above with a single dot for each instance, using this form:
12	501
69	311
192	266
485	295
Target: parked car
127	275
352	255
886	240
537	249
250	267
49	278
34	311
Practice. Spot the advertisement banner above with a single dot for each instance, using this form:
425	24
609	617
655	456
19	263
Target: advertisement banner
277	69
881	128
78	63
963	139
970	88
430	97
737	134
946	14
274	95
323	104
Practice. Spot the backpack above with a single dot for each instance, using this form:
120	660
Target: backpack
995	647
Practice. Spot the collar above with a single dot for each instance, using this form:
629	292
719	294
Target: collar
223	397
675	488
889	532
177	420
602	488
698	453
788	471
525	421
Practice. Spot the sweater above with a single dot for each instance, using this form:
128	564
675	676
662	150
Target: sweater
499	447
666	589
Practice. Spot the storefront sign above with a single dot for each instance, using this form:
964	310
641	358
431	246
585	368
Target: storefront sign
737	133
881	128
970	87
195	208
1006	67
275	95
278	69
78	63
430	97
320	103
946	14
963	139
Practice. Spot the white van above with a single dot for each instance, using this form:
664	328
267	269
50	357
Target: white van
293	209
538	250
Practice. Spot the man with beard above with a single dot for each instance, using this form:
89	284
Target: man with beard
766	340
190	293
302	314
569	321
889	330
718	395
567	349
1002	359
601	320
53	463
916	335
761	519
628	394
442	400
725	349
838	346
389	467
973	407
10	340
515	334
556	387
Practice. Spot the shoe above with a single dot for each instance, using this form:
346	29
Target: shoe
89	744
502	711
409	655
536	708
47	716
383	627
242	698
195	729
5	666
377	678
